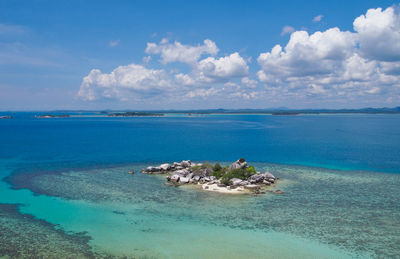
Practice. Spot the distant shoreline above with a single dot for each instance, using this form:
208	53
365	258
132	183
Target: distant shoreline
198	113
276	111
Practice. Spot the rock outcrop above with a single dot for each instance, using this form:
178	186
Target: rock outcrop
238	176
239	164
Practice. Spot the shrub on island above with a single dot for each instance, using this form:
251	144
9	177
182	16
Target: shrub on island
241	173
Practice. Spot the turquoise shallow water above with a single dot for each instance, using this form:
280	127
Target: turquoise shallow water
73	174
323	213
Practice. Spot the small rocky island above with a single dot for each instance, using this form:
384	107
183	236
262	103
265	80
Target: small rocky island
239	177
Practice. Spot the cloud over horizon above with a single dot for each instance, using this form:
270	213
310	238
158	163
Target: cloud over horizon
324	66
337	63
177	52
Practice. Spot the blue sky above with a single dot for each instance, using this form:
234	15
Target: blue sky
198	54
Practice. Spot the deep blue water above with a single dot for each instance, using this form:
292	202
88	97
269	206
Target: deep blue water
354	142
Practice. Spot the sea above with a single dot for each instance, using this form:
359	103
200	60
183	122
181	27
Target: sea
65	190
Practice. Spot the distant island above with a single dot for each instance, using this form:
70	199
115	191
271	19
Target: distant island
46	116
135	114
286	113
271	111
237	178
205	112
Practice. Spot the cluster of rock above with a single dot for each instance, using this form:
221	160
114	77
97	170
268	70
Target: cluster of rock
182	172
187	172
266	178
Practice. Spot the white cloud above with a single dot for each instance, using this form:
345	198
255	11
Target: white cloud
307	55
223	68
178	52
250	83
185	79
331	66
207	70
373	90
378	33
336	63
113	43
202	92
215	70
146	59
390	68
136	81
287	30
123	82
244	95
318	18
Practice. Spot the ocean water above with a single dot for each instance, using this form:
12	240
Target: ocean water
340	175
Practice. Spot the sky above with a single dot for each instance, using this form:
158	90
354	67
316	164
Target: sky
150	55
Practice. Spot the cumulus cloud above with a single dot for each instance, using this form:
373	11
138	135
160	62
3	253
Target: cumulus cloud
133	80
202	92
335	63
223	68
331	66
250	83
124	82
319	53
178	52
378	33
185	79
318	18
287	30
215	70
207	70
